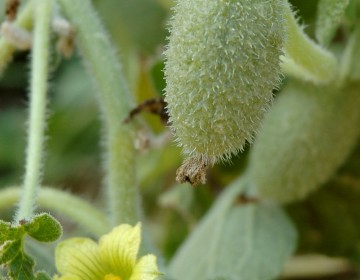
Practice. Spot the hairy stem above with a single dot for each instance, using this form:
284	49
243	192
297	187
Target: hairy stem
303	58
63	203
24	20
37	119
115	102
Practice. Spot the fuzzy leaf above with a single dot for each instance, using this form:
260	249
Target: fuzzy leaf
251	240
329	16
10	232
22	268
30	226
4	231
42	276
44	228
9	251
295	152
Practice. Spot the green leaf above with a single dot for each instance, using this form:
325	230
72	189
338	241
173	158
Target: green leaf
19	265
329	16
44	228
30	226
252	240
21	268
9	251
10	232
42	276
4	231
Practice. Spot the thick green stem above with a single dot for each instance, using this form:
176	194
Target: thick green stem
62	203
24	20
37	119
303	58
115	102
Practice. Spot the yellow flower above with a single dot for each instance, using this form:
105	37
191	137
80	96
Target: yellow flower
114	258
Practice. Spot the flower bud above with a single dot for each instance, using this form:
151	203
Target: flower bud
222	65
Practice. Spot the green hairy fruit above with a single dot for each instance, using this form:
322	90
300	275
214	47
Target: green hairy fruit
305	137
222	65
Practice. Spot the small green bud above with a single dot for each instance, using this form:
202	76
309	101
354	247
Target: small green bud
306	136
222	65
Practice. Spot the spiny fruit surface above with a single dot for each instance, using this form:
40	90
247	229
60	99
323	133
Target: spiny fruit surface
306	136
222	65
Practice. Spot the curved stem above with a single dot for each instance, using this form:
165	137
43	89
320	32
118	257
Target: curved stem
303	58
62	203
24	20
39	74
115	102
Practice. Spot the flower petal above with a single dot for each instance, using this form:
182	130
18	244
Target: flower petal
119	249
111	277
146	269
78	258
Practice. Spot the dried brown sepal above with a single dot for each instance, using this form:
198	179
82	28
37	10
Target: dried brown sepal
193	170
11	9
